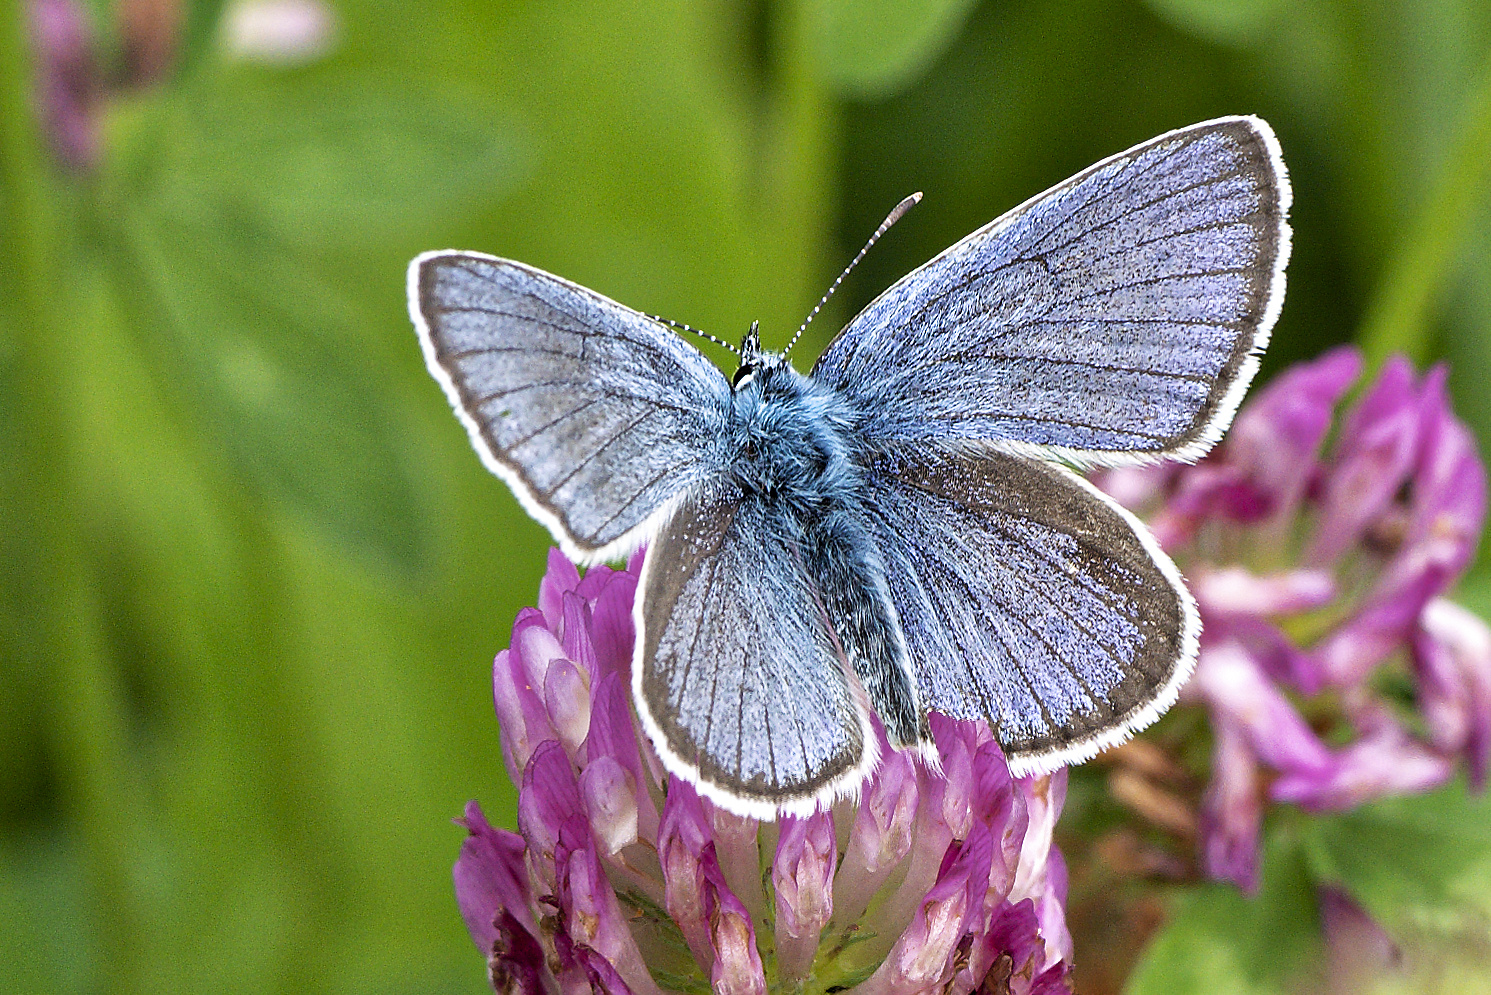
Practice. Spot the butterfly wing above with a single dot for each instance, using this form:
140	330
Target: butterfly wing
1030	600
737	679
597	416
1114	318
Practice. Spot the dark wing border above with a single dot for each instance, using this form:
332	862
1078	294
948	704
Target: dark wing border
1143	712
1143	715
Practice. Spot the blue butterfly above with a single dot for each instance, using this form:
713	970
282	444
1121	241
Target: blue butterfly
896	532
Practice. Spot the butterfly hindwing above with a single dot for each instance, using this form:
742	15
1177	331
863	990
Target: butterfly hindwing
1030	600
1114	318
595	414
736	677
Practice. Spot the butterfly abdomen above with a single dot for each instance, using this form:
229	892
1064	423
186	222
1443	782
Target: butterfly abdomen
791	451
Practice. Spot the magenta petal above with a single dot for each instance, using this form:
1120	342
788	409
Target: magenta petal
490	876
549	798
592	914
802	879
1275	654
515	962
1051	909
1232	809
612	735
923	958
1276	437
995	805
536	646
737	966
518	701
881	837
1013	937
1385	761
1452	658
1235	687
610	800
567	702
604	978
594	582
577	643
682	836
561	576
612	630
1446	510
1237	591
1052	981
953	793
1044	797
1207	491
1377	450
887	814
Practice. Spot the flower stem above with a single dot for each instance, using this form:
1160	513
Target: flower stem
87	727
1398	318
798	142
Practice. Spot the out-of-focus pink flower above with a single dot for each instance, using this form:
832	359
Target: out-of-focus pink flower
619	881
1452	658
68	82
1359	953
287	32
1312	570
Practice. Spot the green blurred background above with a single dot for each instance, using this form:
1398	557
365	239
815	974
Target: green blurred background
252	575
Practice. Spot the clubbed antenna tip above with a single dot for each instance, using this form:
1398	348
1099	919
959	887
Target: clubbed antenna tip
890	219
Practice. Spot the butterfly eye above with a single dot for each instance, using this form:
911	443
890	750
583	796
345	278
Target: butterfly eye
743	376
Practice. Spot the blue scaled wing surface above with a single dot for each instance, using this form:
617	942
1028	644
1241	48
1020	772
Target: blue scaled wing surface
1115	318
598	417
1029	600
737	678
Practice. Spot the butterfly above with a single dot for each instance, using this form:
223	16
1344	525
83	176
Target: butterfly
899	531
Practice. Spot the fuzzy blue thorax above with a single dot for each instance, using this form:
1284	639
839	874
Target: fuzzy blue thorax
790	450
789	436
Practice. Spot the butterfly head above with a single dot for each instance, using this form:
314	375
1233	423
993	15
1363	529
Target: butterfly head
752	359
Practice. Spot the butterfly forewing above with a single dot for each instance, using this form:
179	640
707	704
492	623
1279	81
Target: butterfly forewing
1029	600
737	679
1114	318
595	414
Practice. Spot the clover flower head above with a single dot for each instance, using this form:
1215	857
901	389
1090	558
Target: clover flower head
1333	668
623	880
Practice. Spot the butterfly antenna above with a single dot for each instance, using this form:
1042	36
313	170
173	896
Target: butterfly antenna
890	219
685	328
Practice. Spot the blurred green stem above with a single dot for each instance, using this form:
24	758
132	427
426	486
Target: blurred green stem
87	727
800	140
1398	318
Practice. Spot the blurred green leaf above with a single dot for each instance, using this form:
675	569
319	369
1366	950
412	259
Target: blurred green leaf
873	48
271	365
1415	863
231	228
1219	941
341	161
1231	22
43	891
